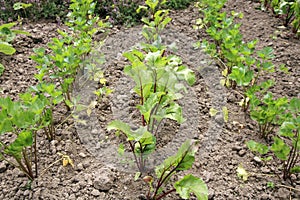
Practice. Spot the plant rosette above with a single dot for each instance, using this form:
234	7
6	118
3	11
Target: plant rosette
95	138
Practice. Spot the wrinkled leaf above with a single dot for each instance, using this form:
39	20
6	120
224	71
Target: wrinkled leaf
191	184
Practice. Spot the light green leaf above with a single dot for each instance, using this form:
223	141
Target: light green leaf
184	159
8	25
242	173
191	184
137	176
186	74
213	112
23	140
257	147
280	149
20	5
119	125
225	113
7	48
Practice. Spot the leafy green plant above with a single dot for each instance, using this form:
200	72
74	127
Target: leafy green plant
268	112
7	35
183	160
159	84
12	10
286	144
68	54
296	20
178	4
21	6
156	22
22	118
240	66
288	10
52	97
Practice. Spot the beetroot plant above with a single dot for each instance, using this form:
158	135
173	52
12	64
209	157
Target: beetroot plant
159	83
286	143
22	119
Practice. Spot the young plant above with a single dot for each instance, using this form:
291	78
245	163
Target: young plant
158	83
7	35
22	118
268	112
158	86
157	22
296	21
68	54
183	160
52	97
21	6
157	79
286	144
141	142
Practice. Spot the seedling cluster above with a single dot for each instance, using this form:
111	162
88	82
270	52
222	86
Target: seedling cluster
243	66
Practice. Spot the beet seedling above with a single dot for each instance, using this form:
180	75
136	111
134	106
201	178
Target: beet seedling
159	83
183	160
69	52
156	23
23	119
268	112
7	35
286	144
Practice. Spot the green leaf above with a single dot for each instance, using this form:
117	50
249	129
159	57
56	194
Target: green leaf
6	126
174	112
7	48
225	113
286	129
266	53
186	74
295	105
191	184
23	140
137	176
280	149
149	104
19	5
213	112
257	147
183	160
8	25
119	125
295	169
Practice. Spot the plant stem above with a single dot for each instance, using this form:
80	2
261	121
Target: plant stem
27	163
135	158
142	100
162	180
23	168
165	194
35	154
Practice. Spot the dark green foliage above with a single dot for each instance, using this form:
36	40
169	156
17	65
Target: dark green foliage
178	4
40	9
120	11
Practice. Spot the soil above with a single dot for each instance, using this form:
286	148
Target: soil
99	173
